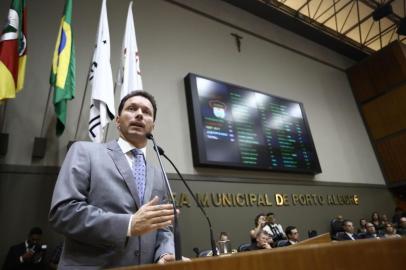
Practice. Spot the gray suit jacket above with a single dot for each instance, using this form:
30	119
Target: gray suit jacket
94	198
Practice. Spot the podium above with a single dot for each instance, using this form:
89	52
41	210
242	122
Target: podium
365	254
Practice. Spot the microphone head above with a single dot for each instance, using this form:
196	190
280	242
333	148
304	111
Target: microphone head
160	150
149	136
197	251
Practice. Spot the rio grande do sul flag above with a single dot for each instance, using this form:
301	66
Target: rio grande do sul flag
13	49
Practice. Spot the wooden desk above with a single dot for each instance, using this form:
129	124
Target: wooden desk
366	254
322	238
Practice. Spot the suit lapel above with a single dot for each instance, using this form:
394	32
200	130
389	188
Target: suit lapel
124	169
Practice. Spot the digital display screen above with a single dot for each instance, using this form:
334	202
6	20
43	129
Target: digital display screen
232	126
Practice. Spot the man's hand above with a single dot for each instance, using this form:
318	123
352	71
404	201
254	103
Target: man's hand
170	258
266	246
27	256
151	216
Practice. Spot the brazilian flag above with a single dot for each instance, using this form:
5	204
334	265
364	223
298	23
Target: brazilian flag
63	69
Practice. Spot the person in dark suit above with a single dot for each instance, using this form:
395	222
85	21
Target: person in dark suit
402	226
262	242
370	233
109	202
27	255
293	237
348	233
336	226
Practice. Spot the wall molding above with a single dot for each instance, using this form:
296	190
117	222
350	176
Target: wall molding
273	180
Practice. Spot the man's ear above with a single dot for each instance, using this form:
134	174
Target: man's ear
117	120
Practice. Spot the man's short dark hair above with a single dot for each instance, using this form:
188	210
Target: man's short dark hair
138	93
346	221
270	214
35	230
289	229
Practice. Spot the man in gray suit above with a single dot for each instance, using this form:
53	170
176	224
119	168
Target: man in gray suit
107	216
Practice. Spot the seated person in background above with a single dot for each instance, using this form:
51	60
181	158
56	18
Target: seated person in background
223	236
260	222
292	235
348	233
375	220
336	226
224	244
397	216
27	255
383	219
262	242
362	224
370	233
390	231
273	229
402	226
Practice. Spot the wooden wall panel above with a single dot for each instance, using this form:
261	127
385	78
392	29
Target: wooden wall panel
392	153
378	73
361	85
387	68
387	114
399	55
379	87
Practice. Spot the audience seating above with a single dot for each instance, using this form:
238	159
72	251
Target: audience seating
243	247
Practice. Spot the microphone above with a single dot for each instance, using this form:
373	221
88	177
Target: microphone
212	242
176	231
196	251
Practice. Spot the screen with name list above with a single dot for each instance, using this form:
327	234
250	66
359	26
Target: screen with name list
236	127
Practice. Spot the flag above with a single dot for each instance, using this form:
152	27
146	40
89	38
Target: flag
62	78
13	51
129	75
101	81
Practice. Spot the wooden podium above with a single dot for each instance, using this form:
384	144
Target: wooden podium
361	254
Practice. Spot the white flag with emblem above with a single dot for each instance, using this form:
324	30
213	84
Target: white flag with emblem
129	75
101	81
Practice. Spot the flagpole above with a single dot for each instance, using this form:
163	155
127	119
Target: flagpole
3	135
46	112
84	96
3	104
108	125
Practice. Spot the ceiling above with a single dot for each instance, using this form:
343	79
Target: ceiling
349	27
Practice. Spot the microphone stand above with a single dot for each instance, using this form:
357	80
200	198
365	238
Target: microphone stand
212	242
176	231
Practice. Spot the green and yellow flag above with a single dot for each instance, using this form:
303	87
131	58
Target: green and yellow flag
63	69
13	51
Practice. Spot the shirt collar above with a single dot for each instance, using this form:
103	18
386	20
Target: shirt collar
127	147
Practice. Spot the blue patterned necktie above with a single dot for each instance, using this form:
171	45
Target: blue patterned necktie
139	172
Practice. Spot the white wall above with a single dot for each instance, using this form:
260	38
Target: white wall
174	41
